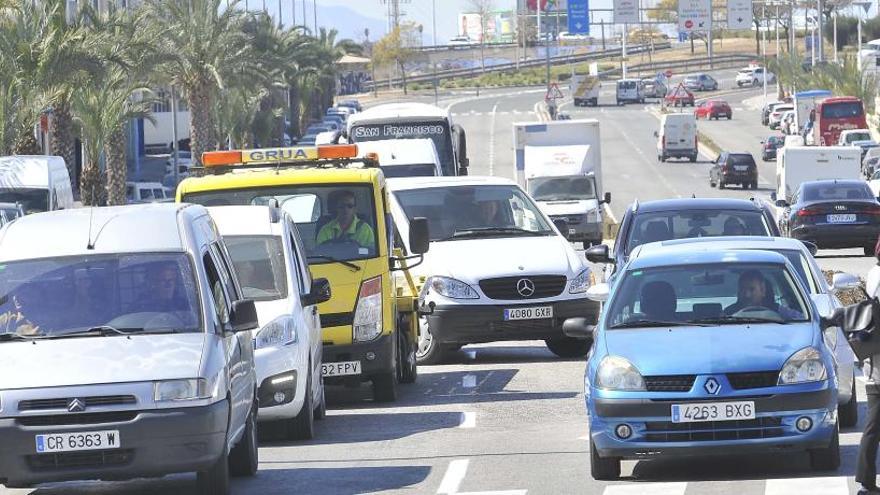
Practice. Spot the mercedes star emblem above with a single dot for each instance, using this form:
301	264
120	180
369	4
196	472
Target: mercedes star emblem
525	287
76	405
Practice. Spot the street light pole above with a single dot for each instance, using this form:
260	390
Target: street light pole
434	20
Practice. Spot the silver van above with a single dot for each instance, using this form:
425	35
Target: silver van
629	91
125	349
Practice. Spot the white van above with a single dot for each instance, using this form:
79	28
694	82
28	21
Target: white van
146	192
677	137
40	183
405	157
629	91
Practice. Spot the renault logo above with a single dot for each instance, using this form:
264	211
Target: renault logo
76	405
525	287
712	386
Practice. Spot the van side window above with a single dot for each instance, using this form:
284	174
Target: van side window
303	275
226	272
215	284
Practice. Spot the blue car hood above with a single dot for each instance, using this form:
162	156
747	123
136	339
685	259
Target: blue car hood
706	350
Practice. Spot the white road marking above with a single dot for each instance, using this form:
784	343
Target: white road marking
807	486
454	476
492	141
502	492
646	489
469	381
468	420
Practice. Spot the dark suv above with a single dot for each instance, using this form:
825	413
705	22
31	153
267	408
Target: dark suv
734	168
667	219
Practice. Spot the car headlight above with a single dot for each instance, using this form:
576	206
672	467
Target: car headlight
278	332
617	373
180	390
368	312
802	367
581	283
452	288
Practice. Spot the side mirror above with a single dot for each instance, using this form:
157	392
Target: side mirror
243	316
781	203
419	238
318	293
607	198
812	248
577	328
598	293
844	281
598	254
461	141
561	225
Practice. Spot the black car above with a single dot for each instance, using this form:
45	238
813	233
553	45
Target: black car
770	146
734	168
668	219
833	214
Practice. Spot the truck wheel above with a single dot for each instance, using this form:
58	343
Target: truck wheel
429	350
869	250
215	480
595	102
754	184
567	347
603	468
406	355
827	459
693	158
849	412
245	456
385	387
302	427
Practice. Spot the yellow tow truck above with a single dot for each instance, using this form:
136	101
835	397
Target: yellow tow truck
340	205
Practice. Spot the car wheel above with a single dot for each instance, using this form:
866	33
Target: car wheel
245	456
567	347
693	158
754	184
603	468
406	352
729	116
385	387
849	412
321	410
754	82
827	459
712	184
302	426
215	480
429	350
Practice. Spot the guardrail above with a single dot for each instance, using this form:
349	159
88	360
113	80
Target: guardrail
716	62
462	46
537	62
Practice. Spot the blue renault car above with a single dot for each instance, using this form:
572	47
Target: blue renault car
708	352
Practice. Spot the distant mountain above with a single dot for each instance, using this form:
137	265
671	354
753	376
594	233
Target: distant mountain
349	23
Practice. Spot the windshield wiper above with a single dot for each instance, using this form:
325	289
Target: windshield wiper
12	336
335	260
495	230
656	323
741	319
98	331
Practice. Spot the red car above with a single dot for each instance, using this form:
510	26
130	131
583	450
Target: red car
713	109
680	97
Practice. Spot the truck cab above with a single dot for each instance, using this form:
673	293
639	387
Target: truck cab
339	204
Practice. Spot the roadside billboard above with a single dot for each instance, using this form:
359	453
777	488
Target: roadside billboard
500	26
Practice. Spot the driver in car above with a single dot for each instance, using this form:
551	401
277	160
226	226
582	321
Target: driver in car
16	319
346	226
163	293
754	292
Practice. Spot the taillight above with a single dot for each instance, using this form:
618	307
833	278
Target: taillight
871	210
805	212
368	312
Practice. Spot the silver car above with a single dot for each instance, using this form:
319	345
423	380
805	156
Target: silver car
126	349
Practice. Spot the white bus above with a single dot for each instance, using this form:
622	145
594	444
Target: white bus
413	121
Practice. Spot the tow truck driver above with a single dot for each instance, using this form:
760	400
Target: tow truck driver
346	225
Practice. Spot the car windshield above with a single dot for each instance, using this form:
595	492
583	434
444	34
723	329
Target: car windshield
33	200
562	188
742	159
834	192
410	170
857	136
842	110
129	292
457	212
774	140
259	264
717	294
337	222
666	225
437	131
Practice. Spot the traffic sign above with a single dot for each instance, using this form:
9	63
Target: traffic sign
626	11
554	93
739	14
578	17
694	15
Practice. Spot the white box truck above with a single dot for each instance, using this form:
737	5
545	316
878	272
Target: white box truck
560	166
798	164
585	90
40	183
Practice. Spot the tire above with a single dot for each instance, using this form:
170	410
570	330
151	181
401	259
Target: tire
730	117
409	368
755	82
215	481
429	351
302	426
827	459
694	159
849	412
603	468
754	185
321	409
587	244
244	458
712	184
869	251
385	387
567	347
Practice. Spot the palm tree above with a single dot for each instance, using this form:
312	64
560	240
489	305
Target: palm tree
209	51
